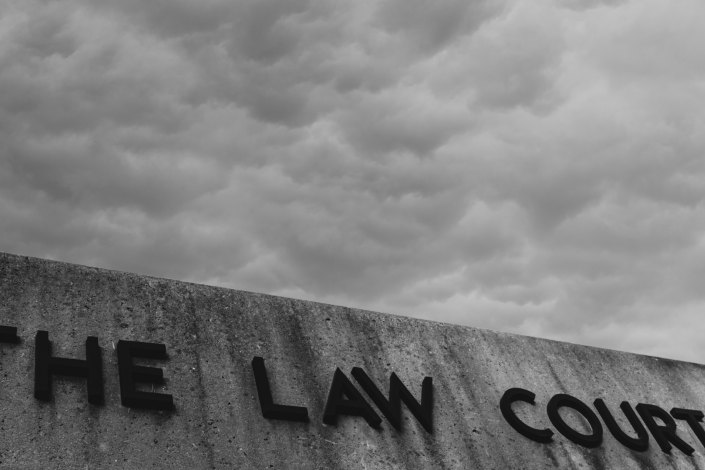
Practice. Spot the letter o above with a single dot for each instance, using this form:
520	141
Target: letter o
586	440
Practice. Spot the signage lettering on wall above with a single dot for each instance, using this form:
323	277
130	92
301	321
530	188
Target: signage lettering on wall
344	398
665	434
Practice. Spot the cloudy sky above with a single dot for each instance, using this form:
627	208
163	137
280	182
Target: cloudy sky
532	167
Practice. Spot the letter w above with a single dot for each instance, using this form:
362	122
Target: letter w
391	409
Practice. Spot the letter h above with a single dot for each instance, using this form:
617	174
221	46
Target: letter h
45	366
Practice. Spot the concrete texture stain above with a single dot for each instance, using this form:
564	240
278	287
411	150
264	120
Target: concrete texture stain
212	334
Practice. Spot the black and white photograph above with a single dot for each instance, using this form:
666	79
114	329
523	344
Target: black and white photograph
381	234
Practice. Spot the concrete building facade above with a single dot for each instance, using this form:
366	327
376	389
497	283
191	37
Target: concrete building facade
253	381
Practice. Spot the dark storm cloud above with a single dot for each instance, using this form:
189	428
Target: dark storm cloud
429	29
530	167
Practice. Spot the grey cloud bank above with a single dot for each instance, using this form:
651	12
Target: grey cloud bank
533	168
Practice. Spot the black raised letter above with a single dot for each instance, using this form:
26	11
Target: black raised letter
8	334
693	418
355	405
45	366
641	443
130	373
586	440
398	392
271	410
662	434
505	406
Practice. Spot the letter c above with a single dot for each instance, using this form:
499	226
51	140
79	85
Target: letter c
505	406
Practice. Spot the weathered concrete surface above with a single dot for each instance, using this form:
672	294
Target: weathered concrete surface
212	334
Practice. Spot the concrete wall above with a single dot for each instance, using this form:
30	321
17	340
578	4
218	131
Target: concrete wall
212	334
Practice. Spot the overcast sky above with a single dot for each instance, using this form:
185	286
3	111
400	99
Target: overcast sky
532	166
